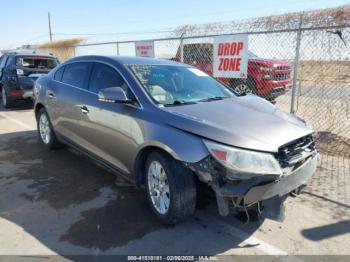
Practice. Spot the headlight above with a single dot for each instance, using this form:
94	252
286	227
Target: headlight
244	161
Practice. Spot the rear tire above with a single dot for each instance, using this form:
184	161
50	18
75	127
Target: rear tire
6	102
46	133
180	198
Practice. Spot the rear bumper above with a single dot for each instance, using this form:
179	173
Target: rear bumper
17	95
27	94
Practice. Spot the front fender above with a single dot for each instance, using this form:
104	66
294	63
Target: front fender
179	144
182	146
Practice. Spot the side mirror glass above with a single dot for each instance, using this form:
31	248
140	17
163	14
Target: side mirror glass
113	95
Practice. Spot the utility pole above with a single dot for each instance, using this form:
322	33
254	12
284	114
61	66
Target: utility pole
49	19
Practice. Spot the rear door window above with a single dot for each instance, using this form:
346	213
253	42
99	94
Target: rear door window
75	74
59	73
47	63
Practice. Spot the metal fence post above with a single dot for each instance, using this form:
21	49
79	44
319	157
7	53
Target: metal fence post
117	44
295	66
182	48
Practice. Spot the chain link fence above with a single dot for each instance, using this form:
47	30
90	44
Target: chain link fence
321	88
305	71
321	93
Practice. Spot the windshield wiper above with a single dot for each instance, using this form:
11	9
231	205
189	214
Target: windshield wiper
180	102
214	98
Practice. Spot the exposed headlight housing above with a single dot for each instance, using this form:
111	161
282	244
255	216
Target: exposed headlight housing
244	161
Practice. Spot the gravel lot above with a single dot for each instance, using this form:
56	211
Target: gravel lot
61	203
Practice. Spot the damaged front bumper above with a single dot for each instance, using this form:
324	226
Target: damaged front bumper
245	193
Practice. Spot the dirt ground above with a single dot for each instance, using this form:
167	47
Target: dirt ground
60	203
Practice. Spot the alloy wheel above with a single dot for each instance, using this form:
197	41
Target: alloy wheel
158	187
243	89
44	128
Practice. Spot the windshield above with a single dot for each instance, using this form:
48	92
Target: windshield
173	85
36	62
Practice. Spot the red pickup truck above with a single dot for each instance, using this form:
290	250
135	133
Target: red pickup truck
267	78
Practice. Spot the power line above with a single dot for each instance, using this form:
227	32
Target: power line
121	33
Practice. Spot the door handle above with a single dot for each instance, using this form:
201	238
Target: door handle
84	109
51	95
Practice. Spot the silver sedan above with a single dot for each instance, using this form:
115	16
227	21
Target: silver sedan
170	128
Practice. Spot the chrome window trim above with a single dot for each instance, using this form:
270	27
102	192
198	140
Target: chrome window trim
140	106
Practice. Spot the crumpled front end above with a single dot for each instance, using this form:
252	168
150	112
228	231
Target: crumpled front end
298	161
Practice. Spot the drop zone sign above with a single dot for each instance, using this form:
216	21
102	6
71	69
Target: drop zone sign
231	56
144	49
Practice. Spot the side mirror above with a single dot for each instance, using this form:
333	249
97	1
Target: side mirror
113	95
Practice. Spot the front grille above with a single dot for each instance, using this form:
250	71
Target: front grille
296	152
283	67
279	77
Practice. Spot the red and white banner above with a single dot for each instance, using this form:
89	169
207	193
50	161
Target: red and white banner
231	56
144	49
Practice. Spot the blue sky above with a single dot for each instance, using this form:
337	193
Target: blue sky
24	22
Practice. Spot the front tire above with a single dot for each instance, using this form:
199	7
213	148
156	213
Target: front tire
243	87
46	132
170	188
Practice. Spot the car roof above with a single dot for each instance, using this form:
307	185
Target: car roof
129	60
28	52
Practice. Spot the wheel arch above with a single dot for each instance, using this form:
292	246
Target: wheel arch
38	106
143	153
179	150
249	81
234	81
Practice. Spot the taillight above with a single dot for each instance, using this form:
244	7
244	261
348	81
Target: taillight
15	93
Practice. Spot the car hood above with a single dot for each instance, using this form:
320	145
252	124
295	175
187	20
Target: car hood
269	62
247	122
